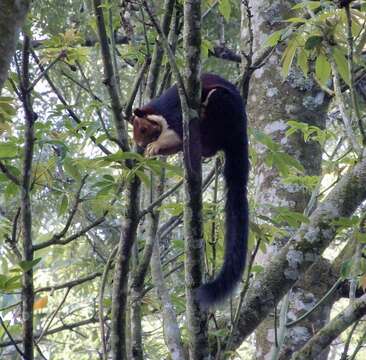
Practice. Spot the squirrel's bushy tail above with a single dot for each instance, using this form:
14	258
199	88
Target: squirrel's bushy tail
236	214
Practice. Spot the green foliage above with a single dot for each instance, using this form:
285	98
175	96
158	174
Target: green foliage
225	8
28	265
285	163
312	38
7	111
310	132
8	150
293	218
309	182
322	68
273	39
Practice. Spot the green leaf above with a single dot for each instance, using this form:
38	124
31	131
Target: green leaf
322	68
10	283
296	20
309	182
293	218
360	236
265	140
302	61
71	169
342	64
291	161
346	222
312	5
105	190
13	283
27	265
8	150
173	209
63	205
118	156
178	244
273	39
225	9
346	268
145	179
109	178
7	110
257	268
312	42
280	164
288	56
206	47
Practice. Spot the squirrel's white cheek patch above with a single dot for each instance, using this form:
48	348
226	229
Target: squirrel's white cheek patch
160	120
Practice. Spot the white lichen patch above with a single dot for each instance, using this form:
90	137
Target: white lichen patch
299	334
275	126
272	92
284	141
329	208
271	335
294	258
312	234
291	315
259	73
292	188
291	109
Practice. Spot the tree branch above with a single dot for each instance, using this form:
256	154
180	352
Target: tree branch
69	284
12	16
26	210
306	246
110	77
8	174
332	330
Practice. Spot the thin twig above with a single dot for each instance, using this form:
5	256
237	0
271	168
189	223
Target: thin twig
61	55
341	103
8	174
103	283
344	355
49	320
13	342
161	198
317	305
69	284
67	107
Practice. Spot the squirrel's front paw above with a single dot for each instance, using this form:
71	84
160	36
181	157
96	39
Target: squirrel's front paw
152	149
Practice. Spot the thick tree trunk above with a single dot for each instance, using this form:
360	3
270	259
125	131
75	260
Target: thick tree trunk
271	103
12	16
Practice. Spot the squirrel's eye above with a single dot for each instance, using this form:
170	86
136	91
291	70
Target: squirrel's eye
143	130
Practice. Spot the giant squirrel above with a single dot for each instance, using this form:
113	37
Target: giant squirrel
158	128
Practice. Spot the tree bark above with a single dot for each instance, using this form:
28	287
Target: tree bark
330	332
120	278
301	251
12	16
193	230
271	103
26	210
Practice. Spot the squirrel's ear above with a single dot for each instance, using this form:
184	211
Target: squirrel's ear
140	113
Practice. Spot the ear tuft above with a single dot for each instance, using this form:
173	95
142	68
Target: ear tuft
140	113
